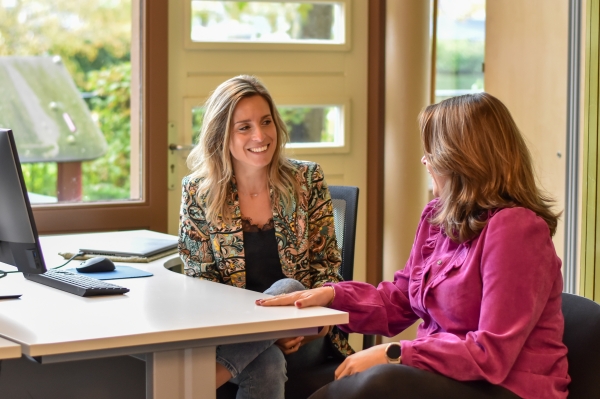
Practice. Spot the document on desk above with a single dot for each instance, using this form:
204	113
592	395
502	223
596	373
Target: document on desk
127	244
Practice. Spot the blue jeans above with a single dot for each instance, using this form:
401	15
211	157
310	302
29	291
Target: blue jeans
258	368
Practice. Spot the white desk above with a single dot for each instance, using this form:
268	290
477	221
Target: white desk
173	320
9	350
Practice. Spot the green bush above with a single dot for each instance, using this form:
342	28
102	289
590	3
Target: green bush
98	60
108	177
459	56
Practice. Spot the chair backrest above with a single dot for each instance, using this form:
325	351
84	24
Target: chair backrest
345	209
582	338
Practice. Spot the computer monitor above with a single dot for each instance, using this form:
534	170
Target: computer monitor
19	241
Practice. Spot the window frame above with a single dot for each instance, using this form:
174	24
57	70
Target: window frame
150	212
589	266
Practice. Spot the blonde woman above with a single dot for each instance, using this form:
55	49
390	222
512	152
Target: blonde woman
254	219
483	276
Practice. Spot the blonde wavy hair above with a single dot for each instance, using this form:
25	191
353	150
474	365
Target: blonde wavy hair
474	142
211	161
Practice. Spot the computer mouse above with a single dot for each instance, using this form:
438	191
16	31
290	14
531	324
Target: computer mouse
95	265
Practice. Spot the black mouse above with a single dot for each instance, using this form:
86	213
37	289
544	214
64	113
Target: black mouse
95	265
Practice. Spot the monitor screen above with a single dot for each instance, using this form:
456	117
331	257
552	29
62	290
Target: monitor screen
19	242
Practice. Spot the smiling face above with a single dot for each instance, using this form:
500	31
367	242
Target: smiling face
253	137
439	181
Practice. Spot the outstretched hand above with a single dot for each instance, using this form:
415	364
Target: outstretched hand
301	299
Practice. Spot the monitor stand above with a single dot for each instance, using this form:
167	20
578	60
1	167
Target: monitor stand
5	293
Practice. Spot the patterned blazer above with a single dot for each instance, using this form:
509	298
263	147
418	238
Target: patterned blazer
304	232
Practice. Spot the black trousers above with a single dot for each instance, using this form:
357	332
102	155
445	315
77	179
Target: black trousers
396	381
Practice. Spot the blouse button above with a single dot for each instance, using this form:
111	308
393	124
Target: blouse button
439	262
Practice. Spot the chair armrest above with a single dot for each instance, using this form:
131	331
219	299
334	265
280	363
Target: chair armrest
369	341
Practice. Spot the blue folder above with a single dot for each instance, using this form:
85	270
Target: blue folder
119	272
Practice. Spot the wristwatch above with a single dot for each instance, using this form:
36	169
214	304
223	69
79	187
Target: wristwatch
393	352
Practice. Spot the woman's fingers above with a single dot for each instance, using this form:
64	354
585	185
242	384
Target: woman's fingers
289	345
280	300
301	299
360	361
341	371
291	350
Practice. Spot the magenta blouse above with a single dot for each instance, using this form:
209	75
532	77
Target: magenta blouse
491	306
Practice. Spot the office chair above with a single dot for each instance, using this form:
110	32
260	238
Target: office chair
582	333
303	382
345	210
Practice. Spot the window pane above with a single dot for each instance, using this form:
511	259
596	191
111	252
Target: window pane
267	22
197	117
308	126
65	91
460	47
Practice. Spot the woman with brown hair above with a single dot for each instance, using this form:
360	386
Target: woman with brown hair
254	219
483	276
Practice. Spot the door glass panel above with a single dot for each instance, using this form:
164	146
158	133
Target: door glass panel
313	125
65	84
267	21
460	47
308	126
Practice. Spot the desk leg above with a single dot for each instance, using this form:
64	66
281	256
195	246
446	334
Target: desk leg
181	374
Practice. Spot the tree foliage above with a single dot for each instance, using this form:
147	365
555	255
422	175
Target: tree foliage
459	64
93	38
459	56
86	34
108	176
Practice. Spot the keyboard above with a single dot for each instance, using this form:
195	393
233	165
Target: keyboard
76	283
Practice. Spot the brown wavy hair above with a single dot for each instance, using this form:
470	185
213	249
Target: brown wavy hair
474	142
211	161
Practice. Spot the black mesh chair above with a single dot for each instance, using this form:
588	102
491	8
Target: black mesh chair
345	210
303	382
582	338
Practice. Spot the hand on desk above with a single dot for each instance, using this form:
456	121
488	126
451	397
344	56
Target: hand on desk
301	299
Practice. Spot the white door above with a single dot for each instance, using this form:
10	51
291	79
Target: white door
322	76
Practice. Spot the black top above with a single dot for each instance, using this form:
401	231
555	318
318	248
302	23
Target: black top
263	266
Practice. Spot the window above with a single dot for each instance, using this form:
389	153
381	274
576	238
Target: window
307	125
460	40
313	127
135	55
269	22
67	95
272	24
